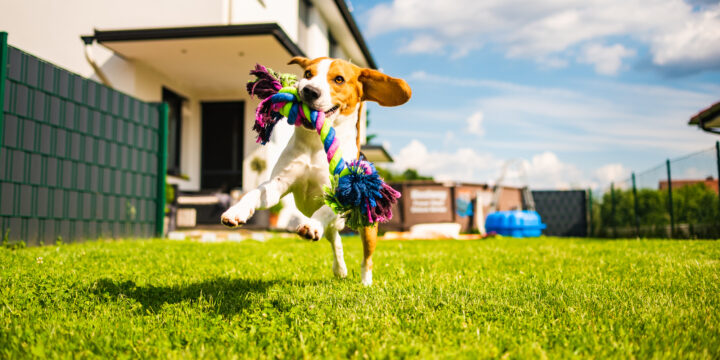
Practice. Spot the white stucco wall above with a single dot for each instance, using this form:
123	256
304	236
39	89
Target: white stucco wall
148	86
282	12
317	43
51	29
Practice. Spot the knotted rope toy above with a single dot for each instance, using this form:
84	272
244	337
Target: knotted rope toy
356	191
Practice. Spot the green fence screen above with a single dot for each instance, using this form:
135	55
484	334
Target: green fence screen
78	160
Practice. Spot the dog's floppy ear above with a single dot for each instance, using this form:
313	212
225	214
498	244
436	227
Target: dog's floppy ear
383	89
302	61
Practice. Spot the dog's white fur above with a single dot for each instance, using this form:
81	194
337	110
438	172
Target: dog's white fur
303	170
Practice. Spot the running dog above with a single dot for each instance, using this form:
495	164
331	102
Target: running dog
337	88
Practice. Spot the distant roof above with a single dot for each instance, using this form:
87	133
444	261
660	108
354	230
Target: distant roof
708	119
376	153
710	182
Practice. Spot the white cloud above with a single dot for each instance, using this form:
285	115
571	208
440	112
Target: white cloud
612	173
449	138
696	44
678	35
607	59
423	44
542	171
387	145
702	172
546	170
462	164
604	115
474	124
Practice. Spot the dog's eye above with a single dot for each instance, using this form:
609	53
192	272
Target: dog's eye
308	74
339	80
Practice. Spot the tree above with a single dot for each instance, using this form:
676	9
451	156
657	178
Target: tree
408	174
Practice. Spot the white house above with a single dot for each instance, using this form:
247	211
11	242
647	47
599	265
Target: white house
195	55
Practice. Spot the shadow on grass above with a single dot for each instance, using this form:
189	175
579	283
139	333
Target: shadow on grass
224	296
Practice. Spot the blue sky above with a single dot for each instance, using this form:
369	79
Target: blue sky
578	92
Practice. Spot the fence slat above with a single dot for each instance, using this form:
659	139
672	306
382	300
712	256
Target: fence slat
3	76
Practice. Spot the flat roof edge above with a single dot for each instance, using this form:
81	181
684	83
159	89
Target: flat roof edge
105	36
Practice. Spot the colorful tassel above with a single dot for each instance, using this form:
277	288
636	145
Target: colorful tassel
356	191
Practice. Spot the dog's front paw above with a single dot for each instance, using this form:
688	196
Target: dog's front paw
310	230
339	269
236	217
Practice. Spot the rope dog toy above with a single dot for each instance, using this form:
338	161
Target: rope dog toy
356	191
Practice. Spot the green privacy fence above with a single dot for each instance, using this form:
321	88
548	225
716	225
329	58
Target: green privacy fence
675	199
78	160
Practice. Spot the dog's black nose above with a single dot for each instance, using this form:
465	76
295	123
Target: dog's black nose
310	93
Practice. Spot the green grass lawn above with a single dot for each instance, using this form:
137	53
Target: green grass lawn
431	299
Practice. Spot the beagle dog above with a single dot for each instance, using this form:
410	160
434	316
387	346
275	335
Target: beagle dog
338	88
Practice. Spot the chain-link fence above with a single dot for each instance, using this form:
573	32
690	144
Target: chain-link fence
675	199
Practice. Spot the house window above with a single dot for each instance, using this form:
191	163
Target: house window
304	7
174	102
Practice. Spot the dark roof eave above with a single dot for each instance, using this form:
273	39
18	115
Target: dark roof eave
104	36
350	21
703	116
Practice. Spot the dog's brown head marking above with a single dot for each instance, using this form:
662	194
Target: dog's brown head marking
348	84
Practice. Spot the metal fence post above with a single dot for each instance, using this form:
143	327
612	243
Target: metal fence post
637	212
717	159
612	209
162	169
590	212
670	200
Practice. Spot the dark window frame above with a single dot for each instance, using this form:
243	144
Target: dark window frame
175	102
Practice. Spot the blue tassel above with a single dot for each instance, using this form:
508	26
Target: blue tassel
358	188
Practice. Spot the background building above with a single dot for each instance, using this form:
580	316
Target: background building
194	55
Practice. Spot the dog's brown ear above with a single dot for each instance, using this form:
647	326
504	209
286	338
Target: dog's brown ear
302	61
383	89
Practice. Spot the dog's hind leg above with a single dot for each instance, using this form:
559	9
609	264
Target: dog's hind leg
264	196
369	239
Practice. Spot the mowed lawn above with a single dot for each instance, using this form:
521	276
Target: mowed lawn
516	298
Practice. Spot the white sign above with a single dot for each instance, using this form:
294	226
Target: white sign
428	201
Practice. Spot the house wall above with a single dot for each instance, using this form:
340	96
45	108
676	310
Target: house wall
51	29
282	12
317	42
148	86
